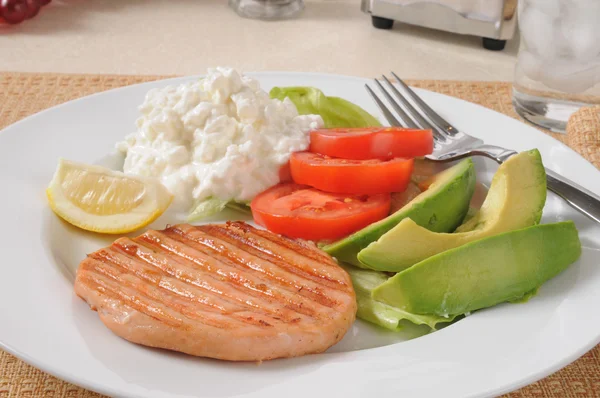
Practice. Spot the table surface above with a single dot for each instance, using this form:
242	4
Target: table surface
187	36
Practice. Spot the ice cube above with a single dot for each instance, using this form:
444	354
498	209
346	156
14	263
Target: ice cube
538	32
548	7
570	77
530	65
578	26
583	41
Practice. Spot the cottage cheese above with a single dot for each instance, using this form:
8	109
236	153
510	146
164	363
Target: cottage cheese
220	137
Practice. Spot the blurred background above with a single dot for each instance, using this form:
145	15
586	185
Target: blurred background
167	37
553	58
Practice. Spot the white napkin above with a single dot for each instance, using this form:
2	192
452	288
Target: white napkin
485	10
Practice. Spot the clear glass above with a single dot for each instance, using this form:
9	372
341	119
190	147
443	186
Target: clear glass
558	66
267	9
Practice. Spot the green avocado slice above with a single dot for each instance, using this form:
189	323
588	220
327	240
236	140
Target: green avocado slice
381	314
441	208
483	273
515	200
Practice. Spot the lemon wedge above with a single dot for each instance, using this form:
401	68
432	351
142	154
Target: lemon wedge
98	199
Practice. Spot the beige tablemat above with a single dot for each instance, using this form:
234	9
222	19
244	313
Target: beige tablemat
22	94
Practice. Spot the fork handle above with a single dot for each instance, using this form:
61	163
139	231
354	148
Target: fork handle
575	195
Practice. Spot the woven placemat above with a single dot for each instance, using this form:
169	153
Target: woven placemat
22	94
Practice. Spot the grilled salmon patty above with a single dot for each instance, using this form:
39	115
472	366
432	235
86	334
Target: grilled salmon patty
227	291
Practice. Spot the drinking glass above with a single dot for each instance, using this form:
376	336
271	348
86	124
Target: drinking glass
267	9
558	66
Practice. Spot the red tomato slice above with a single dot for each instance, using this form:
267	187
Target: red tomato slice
299	211
350	176
371	143
285	174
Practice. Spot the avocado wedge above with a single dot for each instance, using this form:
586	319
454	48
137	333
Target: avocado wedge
483	273
381	314
515	200
441	208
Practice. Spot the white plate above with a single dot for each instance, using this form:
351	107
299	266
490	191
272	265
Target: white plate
488	353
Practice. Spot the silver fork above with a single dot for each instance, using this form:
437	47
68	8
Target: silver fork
451	144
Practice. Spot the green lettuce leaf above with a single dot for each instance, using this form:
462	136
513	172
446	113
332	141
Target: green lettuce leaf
336	112
381	314
241	207
211	206
207	208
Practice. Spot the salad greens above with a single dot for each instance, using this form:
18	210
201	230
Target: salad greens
241	207
206	208
335	111
211	206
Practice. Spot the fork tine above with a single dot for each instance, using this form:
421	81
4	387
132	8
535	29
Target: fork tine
407	107
393	120
438	135
384	109
408	121
443	125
